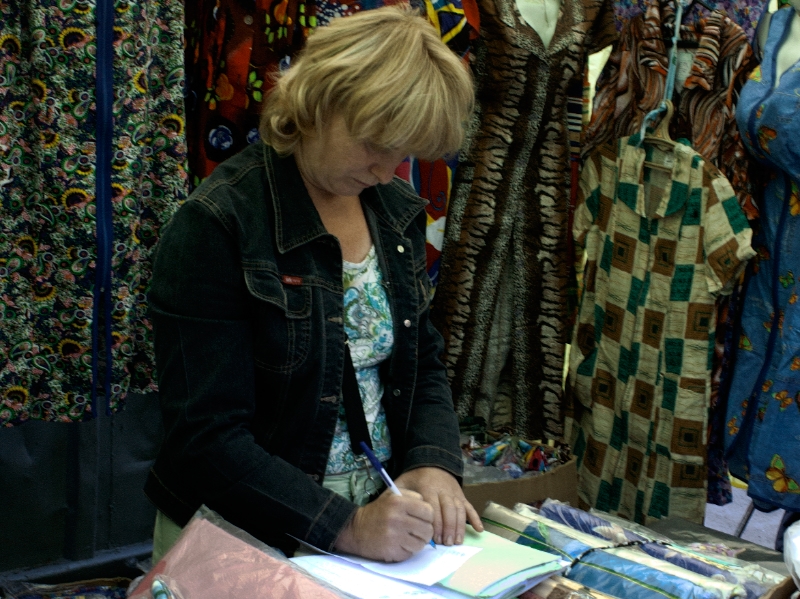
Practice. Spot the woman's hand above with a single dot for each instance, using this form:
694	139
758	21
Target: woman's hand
451	509
392	528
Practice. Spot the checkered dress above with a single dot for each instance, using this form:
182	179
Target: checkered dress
661	244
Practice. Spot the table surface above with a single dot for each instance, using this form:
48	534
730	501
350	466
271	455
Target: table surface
686	532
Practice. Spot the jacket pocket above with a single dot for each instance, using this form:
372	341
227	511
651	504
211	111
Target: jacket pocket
282	336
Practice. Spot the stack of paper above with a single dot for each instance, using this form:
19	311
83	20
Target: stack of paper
486	566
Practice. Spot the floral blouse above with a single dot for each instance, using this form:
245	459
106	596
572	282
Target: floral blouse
368	326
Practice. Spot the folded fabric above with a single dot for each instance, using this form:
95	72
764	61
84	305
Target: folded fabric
618	571
214	560
558	587
755	580
105	588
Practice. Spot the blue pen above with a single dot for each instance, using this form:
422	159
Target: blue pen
384	475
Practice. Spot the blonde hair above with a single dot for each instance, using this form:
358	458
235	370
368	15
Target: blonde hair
387	73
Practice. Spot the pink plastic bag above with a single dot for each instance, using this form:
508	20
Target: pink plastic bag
214	560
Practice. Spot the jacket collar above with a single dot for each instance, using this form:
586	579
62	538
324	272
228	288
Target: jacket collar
296	219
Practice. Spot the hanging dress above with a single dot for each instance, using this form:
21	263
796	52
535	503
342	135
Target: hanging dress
661	245
705	98
92	152
763	419
504	263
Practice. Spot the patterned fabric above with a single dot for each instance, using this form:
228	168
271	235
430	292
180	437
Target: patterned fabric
368	326
509	210
633	80
458	24
755	580
557	587
764	400
660	246
98	589
597	564
233	49
744	13
632	84
82	202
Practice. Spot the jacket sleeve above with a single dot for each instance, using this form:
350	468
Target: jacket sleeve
433	437
204	354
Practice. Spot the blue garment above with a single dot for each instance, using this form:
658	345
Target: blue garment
596	563
763	417
753	582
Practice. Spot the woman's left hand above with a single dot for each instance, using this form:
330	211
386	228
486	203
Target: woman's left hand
451	509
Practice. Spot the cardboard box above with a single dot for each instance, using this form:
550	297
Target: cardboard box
559	483
783	590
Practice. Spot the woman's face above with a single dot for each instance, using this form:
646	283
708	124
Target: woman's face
338	165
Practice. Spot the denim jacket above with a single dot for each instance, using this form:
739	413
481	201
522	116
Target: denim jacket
247	306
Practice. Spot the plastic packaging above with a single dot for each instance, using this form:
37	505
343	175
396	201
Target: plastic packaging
718	564
213	559
791	551
597	563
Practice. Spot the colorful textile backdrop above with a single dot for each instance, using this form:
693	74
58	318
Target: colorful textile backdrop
92	154
661	245
745	13
235	47
501	301
764	401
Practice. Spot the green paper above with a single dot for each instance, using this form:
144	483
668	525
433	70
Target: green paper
498	560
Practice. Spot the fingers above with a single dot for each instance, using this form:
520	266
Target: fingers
452	511
473	517
392	528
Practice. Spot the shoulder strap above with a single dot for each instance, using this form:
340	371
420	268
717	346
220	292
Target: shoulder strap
353	407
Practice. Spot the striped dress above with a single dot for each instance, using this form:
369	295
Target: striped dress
502	297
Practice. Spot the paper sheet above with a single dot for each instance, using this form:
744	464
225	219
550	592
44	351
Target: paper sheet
427	567
358	582
500	559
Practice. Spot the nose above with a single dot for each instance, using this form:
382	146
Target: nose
384	170
386	165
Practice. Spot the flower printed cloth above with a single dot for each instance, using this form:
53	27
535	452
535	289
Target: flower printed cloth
368	326
53	311
661	244
764	400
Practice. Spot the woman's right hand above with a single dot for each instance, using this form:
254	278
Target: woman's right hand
392	528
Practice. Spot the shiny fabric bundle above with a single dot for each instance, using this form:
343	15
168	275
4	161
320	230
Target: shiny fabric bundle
596	563
755	580
558	587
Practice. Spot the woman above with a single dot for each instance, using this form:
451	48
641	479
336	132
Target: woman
293	259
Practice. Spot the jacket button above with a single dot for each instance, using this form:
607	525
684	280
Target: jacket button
248	20
396	392
314	477
401	249
407	323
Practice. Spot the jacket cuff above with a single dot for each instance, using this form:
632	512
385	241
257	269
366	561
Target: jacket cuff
431	455
329	523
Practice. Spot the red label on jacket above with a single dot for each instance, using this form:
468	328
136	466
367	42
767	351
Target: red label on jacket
290	280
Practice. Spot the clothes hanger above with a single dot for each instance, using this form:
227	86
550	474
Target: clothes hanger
669	87
660	136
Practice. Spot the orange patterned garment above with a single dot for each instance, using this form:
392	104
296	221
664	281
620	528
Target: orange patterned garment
633	81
